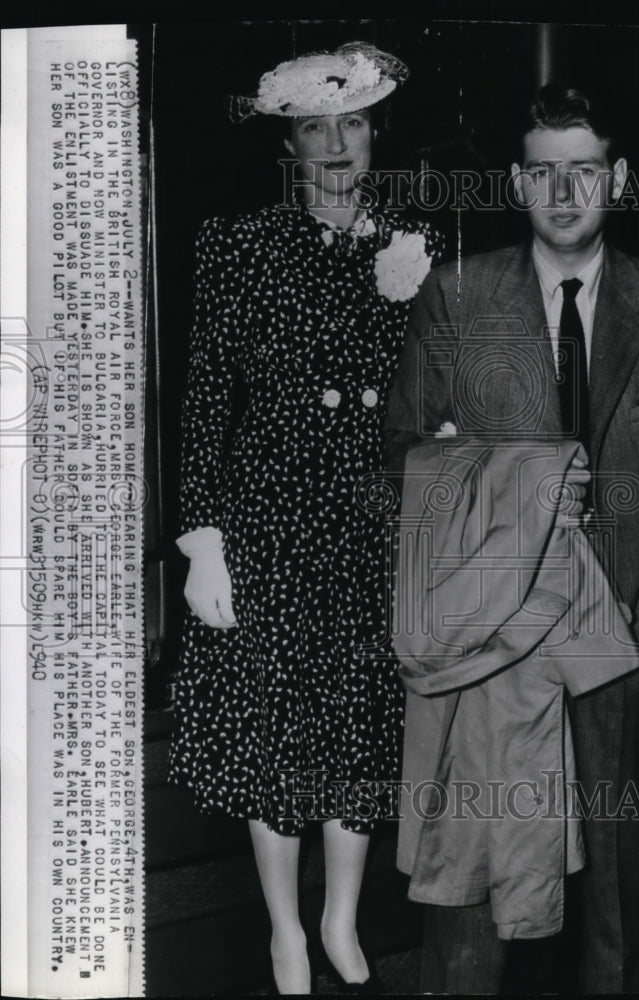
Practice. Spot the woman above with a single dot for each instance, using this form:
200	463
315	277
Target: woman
284	712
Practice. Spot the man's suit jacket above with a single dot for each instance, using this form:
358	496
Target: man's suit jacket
478	355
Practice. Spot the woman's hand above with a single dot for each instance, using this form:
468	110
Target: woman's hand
208	590
208	586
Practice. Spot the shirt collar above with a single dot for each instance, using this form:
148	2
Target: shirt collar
550	278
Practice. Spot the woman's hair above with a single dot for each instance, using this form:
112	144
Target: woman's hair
560	107
282	126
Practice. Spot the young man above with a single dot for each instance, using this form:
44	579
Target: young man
539	341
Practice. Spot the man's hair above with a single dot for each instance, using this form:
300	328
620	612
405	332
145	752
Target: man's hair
560	107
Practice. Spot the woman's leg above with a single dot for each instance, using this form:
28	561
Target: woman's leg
345	856
277	860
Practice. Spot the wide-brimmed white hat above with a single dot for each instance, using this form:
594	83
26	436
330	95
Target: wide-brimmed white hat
353	77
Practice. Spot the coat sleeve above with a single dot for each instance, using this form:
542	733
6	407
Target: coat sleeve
213	376
421	397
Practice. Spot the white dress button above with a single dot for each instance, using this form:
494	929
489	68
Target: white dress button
369	397
331	398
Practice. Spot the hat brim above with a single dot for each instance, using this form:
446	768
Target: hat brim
332	106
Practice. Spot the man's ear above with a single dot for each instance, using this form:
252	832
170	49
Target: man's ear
619	175
515	173
288	145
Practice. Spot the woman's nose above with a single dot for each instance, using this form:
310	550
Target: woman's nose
335	140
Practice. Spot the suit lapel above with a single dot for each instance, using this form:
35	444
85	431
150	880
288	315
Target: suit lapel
518	295
615	341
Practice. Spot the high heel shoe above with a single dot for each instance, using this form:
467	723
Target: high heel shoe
372	985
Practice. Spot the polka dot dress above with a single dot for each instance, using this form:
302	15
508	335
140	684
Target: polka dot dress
295	715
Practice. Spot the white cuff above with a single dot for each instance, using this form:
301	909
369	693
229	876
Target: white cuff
201	540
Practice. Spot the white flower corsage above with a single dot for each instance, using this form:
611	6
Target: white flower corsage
402	266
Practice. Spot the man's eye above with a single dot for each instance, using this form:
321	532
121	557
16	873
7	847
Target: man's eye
356	122
311	127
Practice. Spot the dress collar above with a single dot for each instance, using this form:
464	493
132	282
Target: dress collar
363	226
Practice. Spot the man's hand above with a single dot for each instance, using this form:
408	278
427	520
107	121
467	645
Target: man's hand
574	489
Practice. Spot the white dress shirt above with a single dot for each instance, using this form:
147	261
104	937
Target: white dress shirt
552	293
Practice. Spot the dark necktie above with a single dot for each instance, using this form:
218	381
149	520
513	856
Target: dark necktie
573	367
